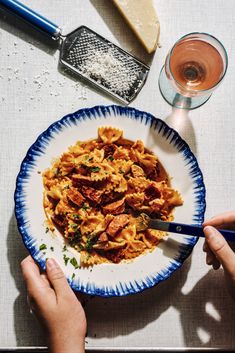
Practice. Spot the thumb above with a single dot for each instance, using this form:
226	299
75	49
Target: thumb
220	248
57	278
31	275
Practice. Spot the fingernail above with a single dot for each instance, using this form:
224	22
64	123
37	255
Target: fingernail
51	264
210	232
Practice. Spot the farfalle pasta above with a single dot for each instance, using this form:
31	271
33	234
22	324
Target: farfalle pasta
95	190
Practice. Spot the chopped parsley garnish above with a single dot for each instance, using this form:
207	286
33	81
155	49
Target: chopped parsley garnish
66	259
88	257
74	226
47	230
90	242
73	275
76	216
77	237
121	171
74	262
64	248
42	247
95	169
88	245
110	158
52	248
85	207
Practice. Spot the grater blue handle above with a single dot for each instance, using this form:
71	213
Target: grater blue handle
32	17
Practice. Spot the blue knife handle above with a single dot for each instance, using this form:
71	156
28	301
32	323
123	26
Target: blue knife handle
197	231
32	17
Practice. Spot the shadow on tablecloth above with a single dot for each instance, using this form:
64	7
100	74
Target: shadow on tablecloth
179	120
27	330
22	30
206	312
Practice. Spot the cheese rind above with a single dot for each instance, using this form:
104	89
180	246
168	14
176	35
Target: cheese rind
142	18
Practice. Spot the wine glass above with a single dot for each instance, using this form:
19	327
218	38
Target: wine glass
194	67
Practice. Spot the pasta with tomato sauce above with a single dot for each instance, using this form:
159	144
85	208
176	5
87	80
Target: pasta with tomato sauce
94	191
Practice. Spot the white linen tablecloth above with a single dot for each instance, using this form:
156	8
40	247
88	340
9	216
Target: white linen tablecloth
192	308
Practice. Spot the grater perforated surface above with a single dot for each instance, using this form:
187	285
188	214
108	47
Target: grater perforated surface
103	63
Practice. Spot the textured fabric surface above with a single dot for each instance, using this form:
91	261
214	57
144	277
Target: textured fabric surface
192	308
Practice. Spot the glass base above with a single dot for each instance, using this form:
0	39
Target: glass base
174	98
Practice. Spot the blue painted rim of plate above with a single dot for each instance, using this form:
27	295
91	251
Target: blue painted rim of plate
170	134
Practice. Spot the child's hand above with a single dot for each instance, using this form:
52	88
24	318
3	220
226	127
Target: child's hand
56	306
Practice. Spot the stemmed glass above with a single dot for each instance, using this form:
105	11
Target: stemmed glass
194	67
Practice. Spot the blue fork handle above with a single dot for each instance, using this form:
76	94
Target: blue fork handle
197	230
32	17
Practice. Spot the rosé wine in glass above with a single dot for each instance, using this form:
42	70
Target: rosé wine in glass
193	69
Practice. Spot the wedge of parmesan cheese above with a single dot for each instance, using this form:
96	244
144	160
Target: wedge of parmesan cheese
142	18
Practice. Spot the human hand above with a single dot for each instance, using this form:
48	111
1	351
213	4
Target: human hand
56	306
218	251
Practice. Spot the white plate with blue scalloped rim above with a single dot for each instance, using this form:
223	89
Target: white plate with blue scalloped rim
146	270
